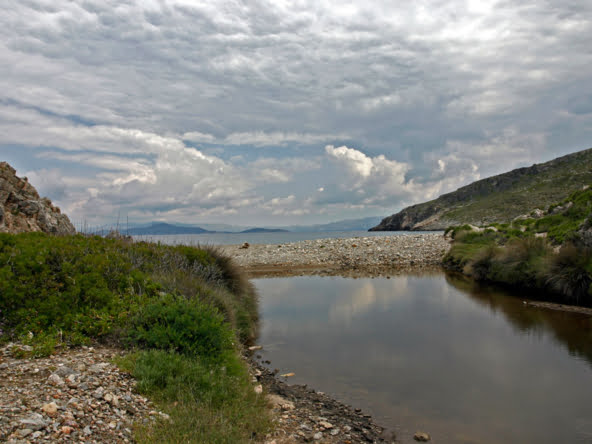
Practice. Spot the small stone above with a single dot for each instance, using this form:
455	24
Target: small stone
278	402
347	429
258	389
288	375
98	368
317	436
55	380
22	433
50	409
87	431
66	430
326	424
334	432
64	371
421	437
255	347
34	422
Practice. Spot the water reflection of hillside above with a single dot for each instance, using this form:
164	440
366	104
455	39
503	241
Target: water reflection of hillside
572	330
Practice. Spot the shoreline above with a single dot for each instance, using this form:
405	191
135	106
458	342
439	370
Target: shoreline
303	414
356	256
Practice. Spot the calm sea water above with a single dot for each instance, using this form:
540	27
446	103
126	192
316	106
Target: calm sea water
435	353
263	238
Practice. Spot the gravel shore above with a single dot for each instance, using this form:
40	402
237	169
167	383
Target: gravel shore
76	395
306	415
358	255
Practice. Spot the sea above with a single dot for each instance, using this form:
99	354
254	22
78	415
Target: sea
264	238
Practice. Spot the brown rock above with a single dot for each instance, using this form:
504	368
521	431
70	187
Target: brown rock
22	209
66	430
50	409
421	437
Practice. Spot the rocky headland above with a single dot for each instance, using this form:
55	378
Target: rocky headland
499	198
23	210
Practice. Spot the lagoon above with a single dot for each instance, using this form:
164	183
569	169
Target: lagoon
435	352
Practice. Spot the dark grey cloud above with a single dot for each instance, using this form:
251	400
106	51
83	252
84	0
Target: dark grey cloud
445	91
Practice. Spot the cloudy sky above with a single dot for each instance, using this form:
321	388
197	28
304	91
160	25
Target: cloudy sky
279	112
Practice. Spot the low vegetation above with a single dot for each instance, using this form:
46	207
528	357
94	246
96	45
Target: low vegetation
183	311
548	254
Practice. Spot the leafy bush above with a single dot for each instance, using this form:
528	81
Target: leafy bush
86	287
186	326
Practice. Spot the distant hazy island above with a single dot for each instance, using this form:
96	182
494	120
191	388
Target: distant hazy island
265	230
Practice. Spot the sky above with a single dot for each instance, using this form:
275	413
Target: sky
284	112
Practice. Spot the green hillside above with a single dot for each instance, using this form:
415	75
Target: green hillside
498	198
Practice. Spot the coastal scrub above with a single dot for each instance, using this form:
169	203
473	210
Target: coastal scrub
549	255
183	311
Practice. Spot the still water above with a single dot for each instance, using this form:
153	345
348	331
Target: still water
434	353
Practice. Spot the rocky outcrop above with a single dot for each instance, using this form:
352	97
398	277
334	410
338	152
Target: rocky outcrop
500	198
22	209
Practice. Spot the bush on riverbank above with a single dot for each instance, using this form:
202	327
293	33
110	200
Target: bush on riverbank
186	308
549	255
79	288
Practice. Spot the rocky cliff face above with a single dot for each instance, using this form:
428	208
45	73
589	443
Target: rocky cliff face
498	198
21	208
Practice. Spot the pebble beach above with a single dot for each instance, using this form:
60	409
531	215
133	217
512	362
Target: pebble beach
358	255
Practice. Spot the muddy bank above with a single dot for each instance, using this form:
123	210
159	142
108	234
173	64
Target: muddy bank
363	256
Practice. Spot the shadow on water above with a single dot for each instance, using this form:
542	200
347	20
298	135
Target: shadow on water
571	330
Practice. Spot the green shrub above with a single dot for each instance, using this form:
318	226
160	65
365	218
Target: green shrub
480	266
86	287
186	326
570	273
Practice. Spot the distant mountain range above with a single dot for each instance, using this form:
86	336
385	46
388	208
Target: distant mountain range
498	198
163	228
